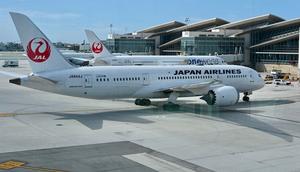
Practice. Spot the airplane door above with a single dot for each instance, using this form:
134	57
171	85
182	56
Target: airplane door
146	79
127	62
88	82
251	76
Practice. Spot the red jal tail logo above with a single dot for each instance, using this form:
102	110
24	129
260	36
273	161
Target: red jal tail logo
97	47
38	50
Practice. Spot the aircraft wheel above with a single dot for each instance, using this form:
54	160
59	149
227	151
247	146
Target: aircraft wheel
146	102
138	101
246	99
143	102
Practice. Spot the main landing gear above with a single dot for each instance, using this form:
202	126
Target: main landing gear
246	98
171	104
143	102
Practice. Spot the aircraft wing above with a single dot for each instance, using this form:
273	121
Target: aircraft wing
196	88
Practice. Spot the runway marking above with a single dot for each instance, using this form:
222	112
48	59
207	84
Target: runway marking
7	114
12	164
156	163
41	169
8	165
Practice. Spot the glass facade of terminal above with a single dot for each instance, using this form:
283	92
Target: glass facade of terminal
131	46
282	52
172	49
169	37
266	35
205	45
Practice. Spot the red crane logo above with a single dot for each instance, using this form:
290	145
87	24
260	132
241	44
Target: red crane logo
38	50
97	47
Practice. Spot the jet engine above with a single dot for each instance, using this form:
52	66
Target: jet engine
222	96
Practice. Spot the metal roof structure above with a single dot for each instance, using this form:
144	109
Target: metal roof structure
281	24
162	27
201	25
285	23
250	22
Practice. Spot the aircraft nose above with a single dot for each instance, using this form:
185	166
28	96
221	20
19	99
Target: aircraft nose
260	83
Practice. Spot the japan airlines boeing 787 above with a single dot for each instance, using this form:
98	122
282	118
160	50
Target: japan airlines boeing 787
217	84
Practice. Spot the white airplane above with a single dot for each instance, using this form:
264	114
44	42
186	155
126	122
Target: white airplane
217	84
102	56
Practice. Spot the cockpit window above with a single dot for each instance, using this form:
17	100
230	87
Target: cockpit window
259	75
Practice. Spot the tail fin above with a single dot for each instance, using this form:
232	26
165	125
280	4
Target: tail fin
41	53
97	47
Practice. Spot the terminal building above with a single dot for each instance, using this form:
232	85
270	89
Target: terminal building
263	42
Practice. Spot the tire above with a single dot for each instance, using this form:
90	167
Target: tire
146	102
246	99
137	101
142	102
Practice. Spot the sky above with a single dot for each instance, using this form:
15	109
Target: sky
65	20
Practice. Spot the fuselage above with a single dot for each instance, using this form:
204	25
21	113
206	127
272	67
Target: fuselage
108	82
162	60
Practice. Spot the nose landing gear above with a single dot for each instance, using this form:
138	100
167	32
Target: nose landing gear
246	98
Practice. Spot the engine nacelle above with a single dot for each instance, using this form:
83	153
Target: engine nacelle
222	96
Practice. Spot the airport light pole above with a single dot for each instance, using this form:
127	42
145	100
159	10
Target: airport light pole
110	27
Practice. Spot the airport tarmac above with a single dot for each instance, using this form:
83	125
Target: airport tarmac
41	131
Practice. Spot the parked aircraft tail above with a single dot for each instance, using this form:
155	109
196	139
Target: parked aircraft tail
98	49
42	54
